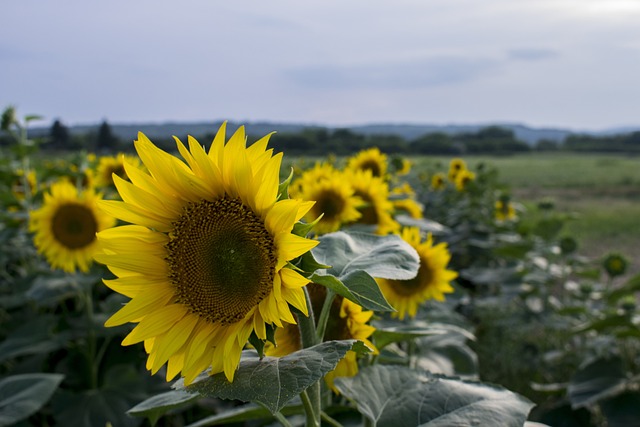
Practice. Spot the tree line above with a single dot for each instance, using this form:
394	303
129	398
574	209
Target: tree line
321	141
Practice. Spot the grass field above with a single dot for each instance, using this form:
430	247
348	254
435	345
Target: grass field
603	191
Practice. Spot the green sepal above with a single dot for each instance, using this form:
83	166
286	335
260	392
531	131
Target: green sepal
308	264
283	188
258	343
303	228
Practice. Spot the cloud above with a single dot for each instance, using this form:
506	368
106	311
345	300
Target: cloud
532	54
419	73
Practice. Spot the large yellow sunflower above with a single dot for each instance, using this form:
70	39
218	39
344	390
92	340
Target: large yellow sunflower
372	160
432	281
205	257
335	201
109	165
346	321
377	207
66	224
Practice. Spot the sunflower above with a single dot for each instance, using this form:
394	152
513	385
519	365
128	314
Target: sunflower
401	166
409	206
463	178
310	177
372	160
346	321
65	226
432	281
438	181
615	264
377	207
504	211
24	183
109	165
456	166
205	257
335	201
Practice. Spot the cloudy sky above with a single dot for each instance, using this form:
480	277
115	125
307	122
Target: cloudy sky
561	63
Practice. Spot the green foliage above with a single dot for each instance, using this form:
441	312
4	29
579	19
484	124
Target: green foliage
274	381
398	396
23	395
529	312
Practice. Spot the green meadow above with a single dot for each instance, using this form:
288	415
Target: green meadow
599	192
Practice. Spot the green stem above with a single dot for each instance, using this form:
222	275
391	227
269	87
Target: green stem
330	421
309	409
91	336
321	327
307	324
311	396
367	422
283	420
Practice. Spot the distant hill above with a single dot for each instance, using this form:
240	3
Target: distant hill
409	132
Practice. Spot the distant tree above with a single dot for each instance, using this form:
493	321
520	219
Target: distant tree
547	145
434	143
390	144
59	136
105	140
495	132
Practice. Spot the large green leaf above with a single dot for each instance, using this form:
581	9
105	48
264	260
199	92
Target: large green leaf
389	331
446	354
155	407
23	395
599	379
397	396
122	387
423	224
275	381
357	286
387	257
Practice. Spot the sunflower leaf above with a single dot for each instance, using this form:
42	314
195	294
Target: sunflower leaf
23	395
358	287
400	396
154	407
386	257
274	381
389	331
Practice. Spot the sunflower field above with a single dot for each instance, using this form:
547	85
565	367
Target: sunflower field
224	284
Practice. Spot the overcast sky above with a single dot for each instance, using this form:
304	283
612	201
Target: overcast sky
560	63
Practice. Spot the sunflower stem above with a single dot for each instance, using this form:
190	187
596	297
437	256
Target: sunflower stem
92	344
309	408
307	324
321	327
311	396
283	420
330	421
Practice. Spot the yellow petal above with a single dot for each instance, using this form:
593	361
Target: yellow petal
292	279
291	246
172	341
141	306
156	323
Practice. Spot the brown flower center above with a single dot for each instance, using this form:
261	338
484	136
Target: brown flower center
74	226
221	259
